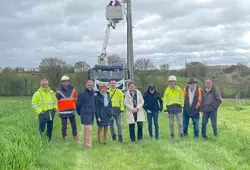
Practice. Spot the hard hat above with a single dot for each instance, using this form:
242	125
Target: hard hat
172	78
65	78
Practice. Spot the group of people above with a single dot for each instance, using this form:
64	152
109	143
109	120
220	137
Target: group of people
117	3
106	106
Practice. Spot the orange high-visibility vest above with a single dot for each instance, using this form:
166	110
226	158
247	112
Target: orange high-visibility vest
199	96
67	103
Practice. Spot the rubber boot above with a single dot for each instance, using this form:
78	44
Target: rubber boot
172	135
99	134
120	138
114	137
106	135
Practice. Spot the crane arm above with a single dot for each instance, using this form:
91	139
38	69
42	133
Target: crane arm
102	59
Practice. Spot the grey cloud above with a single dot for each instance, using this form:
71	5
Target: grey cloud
74	30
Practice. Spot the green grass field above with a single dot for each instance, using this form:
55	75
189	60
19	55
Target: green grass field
21	147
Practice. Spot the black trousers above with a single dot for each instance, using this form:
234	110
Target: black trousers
49	128
46	118
213	117
139	129
73	125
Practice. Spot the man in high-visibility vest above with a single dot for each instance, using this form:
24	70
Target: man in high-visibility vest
66	97
117	99
44	104
192	102
173	104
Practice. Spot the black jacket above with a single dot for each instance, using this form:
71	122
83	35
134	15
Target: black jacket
191	110
102	112
85	106
153	102
210	100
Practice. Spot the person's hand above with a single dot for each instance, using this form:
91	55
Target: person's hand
201	113
121	115
166	113
99	119
149	111
135	110
112	117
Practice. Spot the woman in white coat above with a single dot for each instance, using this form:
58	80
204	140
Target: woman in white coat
134	103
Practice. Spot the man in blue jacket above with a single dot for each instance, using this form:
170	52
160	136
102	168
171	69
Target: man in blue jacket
85	107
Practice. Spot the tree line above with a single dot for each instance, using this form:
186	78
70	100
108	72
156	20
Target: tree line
18	82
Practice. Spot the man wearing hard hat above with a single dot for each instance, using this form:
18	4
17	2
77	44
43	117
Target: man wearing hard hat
173	104
66	97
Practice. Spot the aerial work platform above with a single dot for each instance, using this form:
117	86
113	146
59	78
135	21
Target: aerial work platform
114	13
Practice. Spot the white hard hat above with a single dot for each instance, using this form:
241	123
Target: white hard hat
64	78
172	78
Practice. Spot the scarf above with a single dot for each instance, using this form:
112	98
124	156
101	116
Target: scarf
106	99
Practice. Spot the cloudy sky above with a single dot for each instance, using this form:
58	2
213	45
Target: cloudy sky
166	31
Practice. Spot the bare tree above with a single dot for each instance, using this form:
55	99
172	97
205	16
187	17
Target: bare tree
144	64
164	68
144	69
117	60
53	69
81	66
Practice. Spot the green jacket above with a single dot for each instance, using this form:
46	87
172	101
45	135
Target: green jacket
44	99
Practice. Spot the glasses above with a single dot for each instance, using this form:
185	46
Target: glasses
191	83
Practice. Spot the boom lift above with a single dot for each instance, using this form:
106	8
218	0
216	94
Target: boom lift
103	72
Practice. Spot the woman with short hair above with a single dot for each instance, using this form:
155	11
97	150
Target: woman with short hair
135	114
103	112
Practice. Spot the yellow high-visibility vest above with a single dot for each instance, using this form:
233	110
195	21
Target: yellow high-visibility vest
117	98
173	96
44	99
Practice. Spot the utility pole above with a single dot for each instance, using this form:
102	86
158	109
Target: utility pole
130	50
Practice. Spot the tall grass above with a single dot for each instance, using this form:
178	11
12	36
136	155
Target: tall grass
20	143
21	147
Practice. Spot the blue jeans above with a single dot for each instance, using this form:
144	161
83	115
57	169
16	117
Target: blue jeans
195	120
153	115
118	121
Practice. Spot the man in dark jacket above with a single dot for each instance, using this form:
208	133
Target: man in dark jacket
66	97
192	101
85	107
152	99
211	100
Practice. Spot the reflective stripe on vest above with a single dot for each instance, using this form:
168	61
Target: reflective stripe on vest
117	96
46	103
178	98
65	99
66	112
199	98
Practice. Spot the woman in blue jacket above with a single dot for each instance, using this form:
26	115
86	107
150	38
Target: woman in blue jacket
103	112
